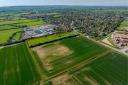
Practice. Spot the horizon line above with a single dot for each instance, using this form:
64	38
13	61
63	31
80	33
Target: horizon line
67	5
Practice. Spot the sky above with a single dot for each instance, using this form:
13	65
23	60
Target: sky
64	2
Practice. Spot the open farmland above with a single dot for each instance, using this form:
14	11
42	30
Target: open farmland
62	55
63	44
17	66
8	28
45	39
6	34
111	69
79	61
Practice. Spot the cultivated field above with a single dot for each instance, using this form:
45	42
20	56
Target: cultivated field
17	66
79	61
44	39
59	56
111	69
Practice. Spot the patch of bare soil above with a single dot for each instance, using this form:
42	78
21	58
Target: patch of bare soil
52	52
91	80
107	41
61	80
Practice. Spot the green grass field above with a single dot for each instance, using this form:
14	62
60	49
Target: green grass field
17	66
80	61
111	69
124	25
59	56
4	35
35	41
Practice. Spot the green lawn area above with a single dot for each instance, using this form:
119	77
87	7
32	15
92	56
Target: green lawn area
17	66
111	69
124	25
36	41
64	54
4	35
